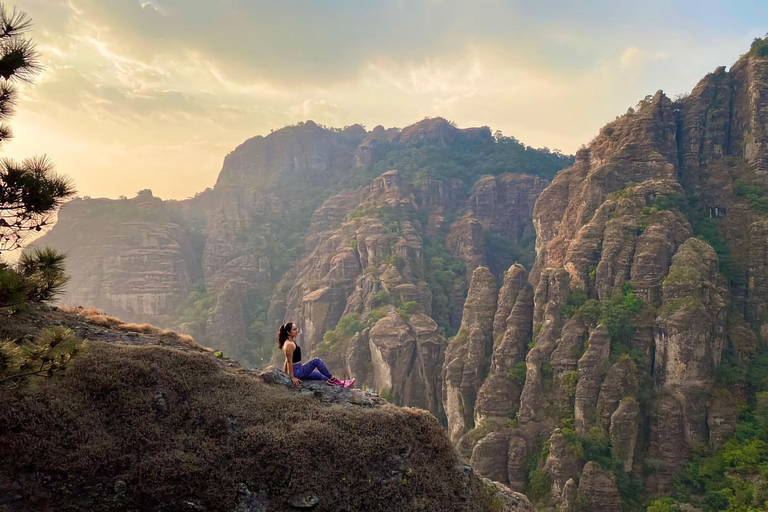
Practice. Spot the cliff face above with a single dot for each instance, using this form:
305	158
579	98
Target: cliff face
126	256
267	191
232	263
364	263
641	246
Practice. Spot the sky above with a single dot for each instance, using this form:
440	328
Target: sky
140	94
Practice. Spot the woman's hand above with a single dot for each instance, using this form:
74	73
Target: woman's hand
296	381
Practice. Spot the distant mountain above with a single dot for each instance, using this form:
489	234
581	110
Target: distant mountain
209	266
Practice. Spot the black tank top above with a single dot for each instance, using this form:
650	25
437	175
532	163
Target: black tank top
296	354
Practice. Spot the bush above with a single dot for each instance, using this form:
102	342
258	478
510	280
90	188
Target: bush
539	484
38	276
570	380
350	324
576	299
446	276
47	355
406	309
517	373
663	505
590	312
759	47
377	314
381	298
618	312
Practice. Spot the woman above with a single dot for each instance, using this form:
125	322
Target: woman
314	369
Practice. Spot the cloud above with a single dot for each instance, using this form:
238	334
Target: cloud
145	91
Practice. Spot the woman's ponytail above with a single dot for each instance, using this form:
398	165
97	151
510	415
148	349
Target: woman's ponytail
282	334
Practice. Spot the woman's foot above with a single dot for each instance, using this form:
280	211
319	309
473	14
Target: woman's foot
333	381
349	383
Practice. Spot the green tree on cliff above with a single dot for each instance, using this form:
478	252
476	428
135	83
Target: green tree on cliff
30	191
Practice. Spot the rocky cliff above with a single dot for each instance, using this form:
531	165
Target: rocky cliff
127	256
647	278
272	241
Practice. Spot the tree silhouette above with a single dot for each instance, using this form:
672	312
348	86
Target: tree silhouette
30	191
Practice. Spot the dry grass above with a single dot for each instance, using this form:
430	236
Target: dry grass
142	328
97	317
211	430
94	316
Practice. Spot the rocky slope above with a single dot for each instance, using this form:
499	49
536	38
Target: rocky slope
151	421
648	275
230	265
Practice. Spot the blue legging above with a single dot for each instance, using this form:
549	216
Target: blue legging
314	369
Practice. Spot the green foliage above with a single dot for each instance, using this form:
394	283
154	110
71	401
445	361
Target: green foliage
759	47
199	308
446	277
38	276
757	375
644	102
624	193
663	505
30	191
547	372
689	302
377	314
406	309
483	429
381	298
590	312
539	484
729	372
704	229
502	253
517	373
617	313
576	299
48	354
735	477
570	380
349	325
595	445
466	160
756	198
680	274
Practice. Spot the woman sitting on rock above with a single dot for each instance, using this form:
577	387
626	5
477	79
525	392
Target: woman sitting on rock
314	369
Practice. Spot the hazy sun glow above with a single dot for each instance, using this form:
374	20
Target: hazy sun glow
153	94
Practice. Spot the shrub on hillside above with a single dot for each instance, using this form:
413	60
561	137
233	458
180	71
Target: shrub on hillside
38	276
48	354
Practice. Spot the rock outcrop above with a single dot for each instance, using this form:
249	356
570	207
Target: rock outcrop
599	489
468	356
512	326
641	248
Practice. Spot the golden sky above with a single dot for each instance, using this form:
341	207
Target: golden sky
154	93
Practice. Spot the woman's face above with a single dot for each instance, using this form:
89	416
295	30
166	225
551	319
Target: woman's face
294	331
